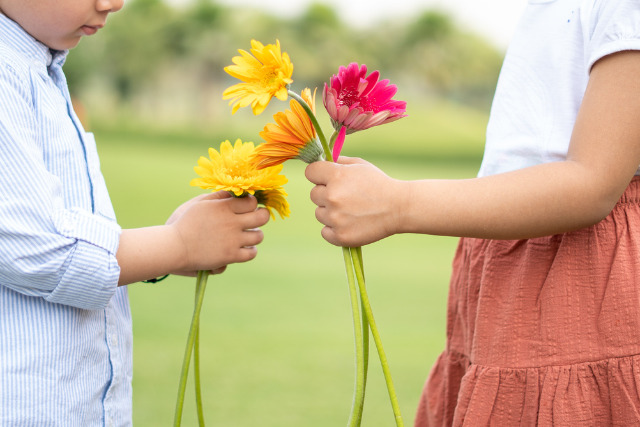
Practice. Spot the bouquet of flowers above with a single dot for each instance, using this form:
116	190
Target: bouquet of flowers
355	101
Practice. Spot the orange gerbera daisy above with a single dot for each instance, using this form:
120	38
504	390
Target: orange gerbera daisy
292	136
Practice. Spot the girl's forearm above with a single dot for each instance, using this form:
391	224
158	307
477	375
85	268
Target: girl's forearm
541	200
603	155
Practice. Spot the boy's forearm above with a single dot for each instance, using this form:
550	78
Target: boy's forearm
145	253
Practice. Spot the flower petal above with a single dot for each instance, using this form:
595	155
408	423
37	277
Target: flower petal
355	100
337	147
265	72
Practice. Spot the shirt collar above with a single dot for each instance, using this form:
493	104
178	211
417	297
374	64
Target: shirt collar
18	40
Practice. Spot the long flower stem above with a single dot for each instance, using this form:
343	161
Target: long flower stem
353	258
365	326
201	284
356	255
316	125
355	419
196	357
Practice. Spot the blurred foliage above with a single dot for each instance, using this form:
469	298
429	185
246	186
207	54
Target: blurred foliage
165	63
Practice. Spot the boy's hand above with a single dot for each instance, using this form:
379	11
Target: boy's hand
215	230
183	207
357	202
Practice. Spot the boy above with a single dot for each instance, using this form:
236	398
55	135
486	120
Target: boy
65	327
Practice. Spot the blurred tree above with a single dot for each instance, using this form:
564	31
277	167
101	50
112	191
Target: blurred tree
171	58
320	34
139	44
449	61
432	25
84	63
318	16
199	33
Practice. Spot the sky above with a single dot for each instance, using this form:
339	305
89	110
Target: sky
494	19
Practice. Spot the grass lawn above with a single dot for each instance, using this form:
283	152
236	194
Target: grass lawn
276	333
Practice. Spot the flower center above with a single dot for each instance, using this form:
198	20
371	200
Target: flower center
270	79
238	170
352	98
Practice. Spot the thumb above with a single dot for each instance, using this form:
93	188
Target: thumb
318	172
218	195
344	160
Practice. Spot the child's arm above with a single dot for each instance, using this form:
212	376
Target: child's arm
359	204
58	238
206	233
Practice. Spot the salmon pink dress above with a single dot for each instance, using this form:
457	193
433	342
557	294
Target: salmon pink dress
546	331
543	331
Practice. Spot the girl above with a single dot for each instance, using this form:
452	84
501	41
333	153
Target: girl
544	305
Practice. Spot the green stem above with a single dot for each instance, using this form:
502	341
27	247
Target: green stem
333	138
196	359
365	344
355	418
356	255
316	125
365	326
201	284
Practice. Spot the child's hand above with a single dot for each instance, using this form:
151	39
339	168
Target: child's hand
357	202
216	230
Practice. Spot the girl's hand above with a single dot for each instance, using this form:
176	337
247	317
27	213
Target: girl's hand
357	202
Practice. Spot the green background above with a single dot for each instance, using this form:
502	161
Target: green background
276	333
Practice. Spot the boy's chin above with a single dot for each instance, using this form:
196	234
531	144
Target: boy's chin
66	44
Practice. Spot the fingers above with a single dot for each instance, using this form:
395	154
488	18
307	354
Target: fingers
238	205
330	232
318	172
253	220
246	207
219	270
242	205
318	195
247	254
216	229
262	217
252	238
329	235
347	198
322	215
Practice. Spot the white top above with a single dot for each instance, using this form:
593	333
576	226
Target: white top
545	74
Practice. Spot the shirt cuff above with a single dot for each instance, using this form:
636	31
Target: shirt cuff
95	229
91	275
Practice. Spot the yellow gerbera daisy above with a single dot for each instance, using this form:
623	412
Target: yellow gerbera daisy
292	136
274	200
231	170
265	74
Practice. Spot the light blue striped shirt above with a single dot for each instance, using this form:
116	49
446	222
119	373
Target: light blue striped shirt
65	326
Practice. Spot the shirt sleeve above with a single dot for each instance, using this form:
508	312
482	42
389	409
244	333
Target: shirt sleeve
612	26
64	255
